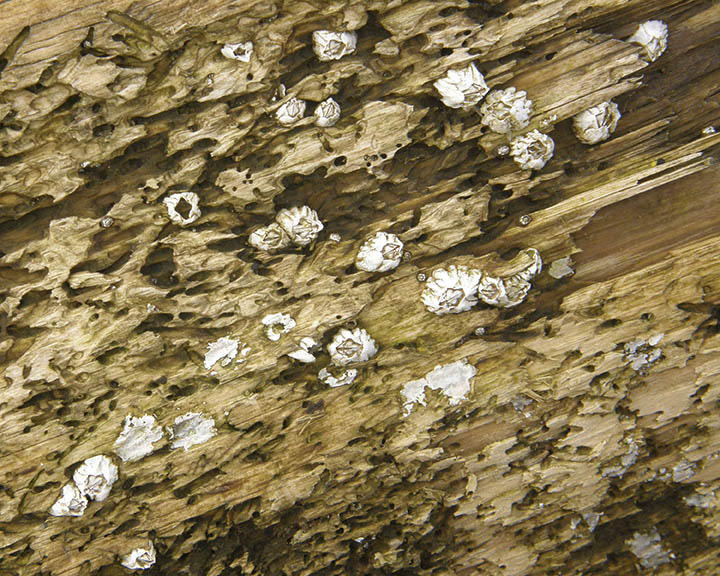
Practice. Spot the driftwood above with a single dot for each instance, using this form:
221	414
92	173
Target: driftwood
589	442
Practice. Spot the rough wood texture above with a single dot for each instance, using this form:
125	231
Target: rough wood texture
562	454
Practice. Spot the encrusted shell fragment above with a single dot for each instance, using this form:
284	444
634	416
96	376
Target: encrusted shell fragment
303	353
597	123
329	45
461	88
507	110
327	113
452	290
269	238
291	111
533	150
190	198
531	263
453	380
95	477
137	438
380	253
277	324
335	380
350	346
72	502
241	51
140	558
301	224
652	36
190	429
224	349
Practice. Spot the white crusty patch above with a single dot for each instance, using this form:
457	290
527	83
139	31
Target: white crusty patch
303	353
190	429
335	379
193	214
329	45
137	438
95	477
277	324
72	502
140	558
647	547
461	88
453	380
224	348
241	51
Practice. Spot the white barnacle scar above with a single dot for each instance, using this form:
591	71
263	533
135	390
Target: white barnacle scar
224	349
451	290
137	438
533	150
277	324
191	199
241	51
597	123
350	346
190	429
329	45
140	558
461	88
291	111
95	477
453	380
652	36
381	252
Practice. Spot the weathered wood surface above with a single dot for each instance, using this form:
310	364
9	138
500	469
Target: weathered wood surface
104	115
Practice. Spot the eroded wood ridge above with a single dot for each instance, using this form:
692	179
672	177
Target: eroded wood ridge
587	440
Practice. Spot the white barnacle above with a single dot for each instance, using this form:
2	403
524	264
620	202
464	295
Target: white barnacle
531	264
336	379
186	201
140	558
381	252
451	290
137	438
269	238
303	353
327	113
241	51
301	224
597	123
72	502
350	346
461	88
505	111
329	45
277	324
224	349
190	429
291	111
652	36
95	477
532	151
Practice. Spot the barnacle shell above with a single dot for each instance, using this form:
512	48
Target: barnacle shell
461	88
269	238
597	123
350	346
95	477
301	224
190	429
329	45
137	438
291	111
303	354
277	324
140	558
506	110
241	51
72	502
652	36
380	253
191	198
510	290
532	151
327	113
452	290
531	262
335	380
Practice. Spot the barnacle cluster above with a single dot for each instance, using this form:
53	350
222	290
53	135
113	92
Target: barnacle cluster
92	480
297	225
381	252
